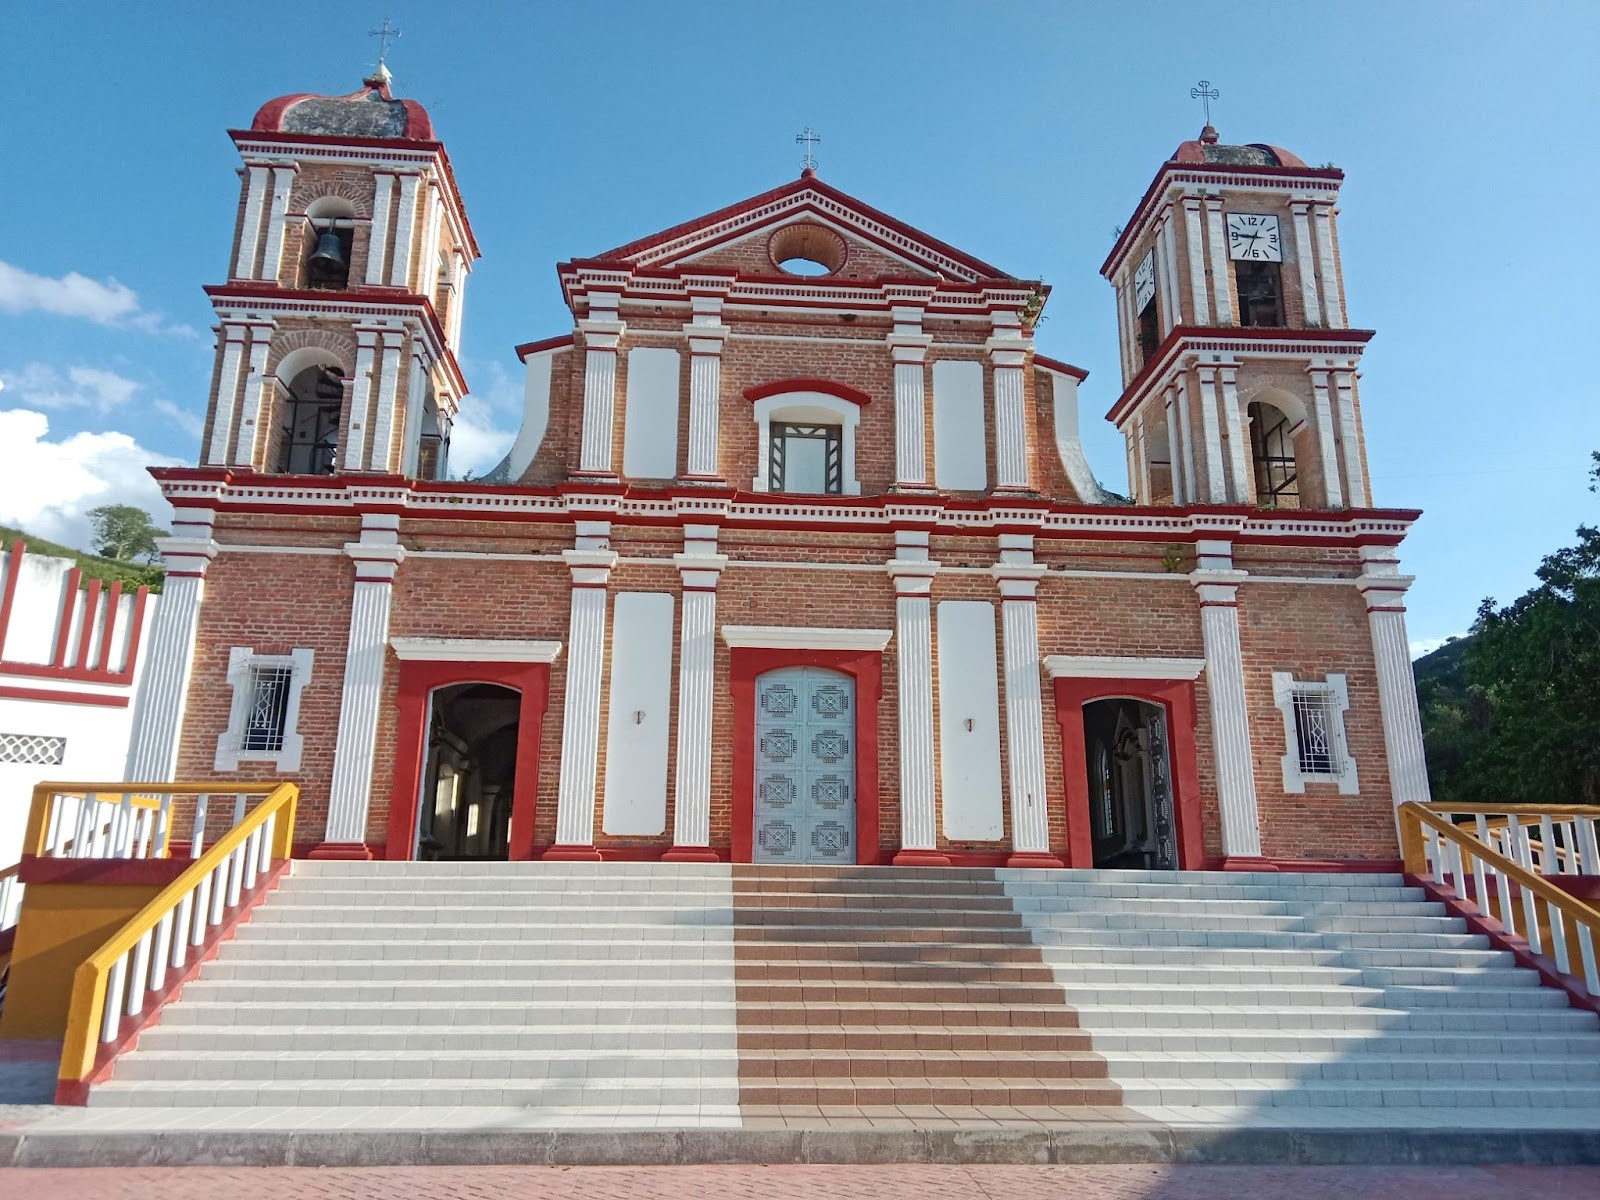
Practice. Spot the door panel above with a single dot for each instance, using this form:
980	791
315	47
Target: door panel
805	785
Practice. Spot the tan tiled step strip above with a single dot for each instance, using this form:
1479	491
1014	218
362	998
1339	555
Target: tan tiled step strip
872	987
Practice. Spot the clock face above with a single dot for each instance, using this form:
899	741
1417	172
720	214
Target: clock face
1144	282
1254	236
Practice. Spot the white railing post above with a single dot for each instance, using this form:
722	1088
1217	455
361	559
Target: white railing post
1589	846
163	948
235	865
111	1014
1522	855
252	845
80	830
238	810
197	842
52	837
202	906
219	894
180	930
139	979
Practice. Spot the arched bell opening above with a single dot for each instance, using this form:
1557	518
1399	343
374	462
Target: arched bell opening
310	403
327	244
469	773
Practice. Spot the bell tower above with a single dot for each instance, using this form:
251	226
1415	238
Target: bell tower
1239	366
339	326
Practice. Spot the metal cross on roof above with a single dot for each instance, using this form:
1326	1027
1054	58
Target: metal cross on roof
808	138
383	33
1205	93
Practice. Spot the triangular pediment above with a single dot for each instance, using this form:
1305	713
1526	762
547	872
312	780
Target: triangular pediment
819	220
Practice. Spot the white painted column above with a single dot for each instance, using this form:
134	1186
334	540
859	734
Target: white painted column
244	264
428	268
277	219
602	332
913	572
405	225
260	389
1384	589
909	347
580	719
1327	445
458	301
415	390
388	390
700	567
377	557
1141	460
163	697
1175	437
1007	351
1191	487
1017	576
707	334
355	434
1221	285
1306	261
378	234
1344	387
1199	296
1243	490
1217	583
1211	432
1327	268
233	339
1166	274
1127	339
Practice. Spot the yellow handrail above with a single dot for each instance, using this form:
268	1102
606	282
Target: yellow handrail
1540	896
86	1013
1535	810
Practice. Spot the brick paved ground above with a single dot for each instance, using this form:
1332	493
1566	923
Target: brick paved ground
812	1183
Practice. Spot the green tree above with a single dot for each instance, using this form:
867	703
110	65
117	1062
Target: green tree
124	532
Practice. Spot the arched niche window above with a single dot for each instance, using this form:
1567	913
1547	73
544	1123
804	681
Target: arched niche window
808	440
1272	455
433	440
328	244
310	403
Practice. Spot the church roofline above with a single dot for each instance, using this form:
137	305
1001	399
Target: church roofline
1059	367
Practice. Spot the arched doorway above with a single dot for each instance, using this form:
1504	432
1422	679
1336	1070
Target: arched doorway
805	767
1132	824
469	774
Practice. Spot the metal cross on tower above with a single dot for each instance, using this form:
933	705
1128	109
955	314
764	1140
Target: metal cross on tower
1205	93
808	138
383	33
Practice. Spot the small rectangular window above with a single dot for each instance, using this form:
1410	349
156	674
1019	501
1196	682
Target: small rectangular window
1313	725
1260	294
267	720
1316	724
1149	332
264	718
807	458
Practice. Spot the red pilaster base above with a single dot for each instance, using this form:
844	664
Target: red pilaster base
1033	858
700	854
571	854
921	858
348	851
1242	862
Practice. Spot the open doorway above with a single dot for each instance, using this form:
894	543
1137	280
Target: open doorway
1131	819
469	777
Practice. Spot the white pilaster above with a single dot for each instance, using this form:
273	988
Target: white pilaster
458	302
405	225
1332	301
1327	445
909	347
428	268
355	435
1198	294
1217	583
1221	284
1243	490
377	557
700	567
602	332
1007	351
1306	261
1211	432
1167	272
415	389
1140	445
1176	436
388	390
1344	387
580	720
1384	589
1191	488
1017	576
913	572
163	697
1127	338
260	389
244	265
707	334
378	234
277	219
233	337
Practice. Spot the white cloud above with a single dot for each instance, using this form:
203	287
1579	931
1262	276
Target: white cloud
75	295
487	423
1422	646
41	385
182	419
49	486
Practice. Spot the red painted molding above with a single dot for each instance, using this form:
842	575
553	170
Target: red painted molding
699	854
96	699
921	858
343	851
1064	368
1308	866
1177	698
552	343
9	595
1032	858
417	682
571	853
745	664
806	383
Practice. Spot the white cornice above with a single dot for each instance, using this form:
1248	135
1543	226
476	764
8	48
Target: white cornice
471	650
783	637
1073	666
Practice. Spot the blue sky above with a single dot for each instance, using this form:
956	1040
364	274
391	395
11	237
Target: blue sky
1023	132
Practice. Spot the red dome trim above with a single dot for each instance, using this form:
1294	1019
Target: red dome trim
828	387
270	116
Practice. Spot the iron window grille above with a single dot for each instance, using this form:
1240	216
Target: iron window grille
807	458
311	427
1272	449
1318	736
267	719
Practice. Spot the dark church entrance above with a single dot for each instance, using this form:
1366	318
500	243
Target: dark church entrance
470	773
1130	785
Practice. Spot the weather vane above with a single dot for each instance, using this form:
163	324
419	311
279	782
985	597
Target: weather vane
383	33
1205	93
808	138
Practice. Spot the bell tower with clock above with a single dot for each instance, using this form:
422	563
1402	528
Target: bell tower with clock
1239	366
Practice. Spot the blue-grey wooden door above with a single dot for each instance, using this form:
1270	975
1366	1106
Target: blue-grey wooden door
805	788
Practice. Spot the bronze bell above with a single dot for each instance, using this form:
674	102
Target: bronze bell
329	256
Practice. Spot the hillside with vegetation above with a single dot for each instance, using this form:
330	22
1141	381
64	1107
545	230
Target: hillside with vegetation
129	574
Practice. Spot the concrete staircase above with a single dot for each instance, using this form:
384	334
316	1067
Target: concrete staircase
688	991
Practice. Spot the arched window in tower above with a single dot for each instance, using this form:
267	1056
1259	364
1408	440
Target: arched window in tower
1272	453
433	441
328	244
310	435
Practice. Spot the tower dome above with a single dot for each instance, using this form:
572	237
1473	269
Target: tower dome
1207	148
369	112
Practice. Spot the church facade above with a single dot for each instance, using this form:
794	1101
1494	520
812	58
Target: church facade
797	557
